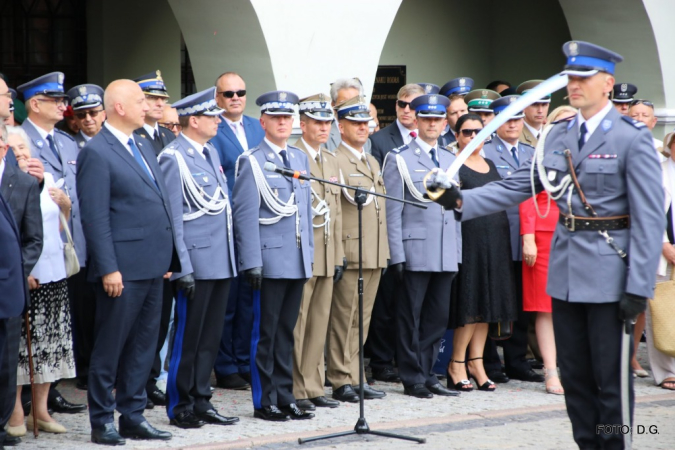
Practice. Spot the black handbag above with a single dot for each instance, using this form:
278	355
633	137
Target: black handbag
500	331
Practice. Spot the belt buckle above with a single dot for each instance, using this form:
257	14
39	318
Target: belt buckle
570	222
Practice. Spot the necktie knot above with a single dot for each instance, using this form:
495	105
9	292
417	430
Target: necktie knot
514	152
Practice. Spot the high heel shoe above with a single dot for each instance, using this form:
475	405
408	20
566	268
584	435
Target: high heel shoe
463	385
49	427
488	386
549	374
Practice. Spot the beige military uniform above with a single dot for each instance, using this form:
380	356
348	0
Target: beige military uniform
526	137
343	329
310	329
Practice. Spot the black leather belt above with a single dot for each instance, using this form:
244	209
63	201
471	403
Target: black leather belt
580	223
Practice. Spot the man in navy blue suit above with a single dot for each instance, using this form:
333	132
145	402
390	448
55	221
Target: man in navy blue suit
128	227
236	134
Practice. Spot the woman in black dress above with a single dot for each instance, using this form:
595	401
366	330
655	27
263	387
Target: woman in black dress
484	289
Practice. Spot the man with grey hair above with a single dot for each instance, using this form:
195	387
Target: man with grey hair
340	90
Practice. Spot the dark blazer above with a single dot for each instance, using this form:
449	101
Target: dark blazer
229	148
22	193
12	279
165	138
384	141
126	217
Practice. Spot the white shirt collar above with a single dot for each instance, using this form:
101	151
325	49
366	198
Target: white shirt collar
507	145
123	138
533	130
356	153
424	146
199	148
310	149
593	123
275	147
85	137
405	133
43	134
151	130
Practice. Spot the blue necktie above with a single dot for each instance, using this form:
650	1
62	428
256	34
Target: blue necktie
582	135
432	153
514	152
139	159
52	146
282	153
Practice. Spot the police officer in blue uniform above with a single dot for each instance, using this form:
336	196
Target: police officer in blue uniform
453	89
275	242
430	88
202	218
607	245
87	99
156	94
425	247
622	96
46	102
508	154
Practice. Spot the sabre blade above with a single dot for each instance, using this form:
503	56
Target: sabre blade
553	84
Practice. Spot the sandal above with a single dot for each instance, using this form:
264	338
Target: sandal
488	386
463	385
668	384
550	374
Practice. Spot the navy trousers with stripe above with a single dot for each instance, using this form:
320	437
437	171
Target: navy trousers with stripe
275	312
199	325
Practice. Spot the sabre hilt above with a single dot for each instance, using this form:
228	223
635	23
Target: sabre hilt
441	187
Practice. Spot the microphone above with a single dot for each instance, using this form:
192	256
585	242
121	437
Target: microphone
271	167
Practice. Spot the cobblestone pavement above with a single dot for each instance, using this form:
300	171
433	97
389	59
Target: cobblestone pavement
518	415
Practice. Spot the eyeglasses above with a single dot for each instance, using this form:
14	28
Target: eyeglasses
7	94
642	102
171	125
56	101
231	94
401	104
466	132
83	114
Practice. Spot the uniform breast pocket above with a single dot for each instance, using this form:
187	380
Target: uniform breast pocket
198	242
73	167
601	174
414	241
358	180
555	166
278	185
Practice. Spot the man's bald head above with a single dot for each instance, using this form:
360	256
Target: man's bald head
125	105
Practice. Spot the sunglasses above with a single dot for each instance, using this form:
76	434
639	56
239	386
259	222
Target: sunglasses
171	125
401	104
83	114
468	132
642	102
231	94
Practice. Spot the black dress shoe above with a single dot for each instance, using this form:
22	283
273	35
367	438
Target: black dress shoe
345	394
158	397
82	384
145	431
305	404
323	402
106	435
417	390
63	406
296	413
211	416
270	413
11	441
246	376
535	364
369	393
386	374
498	376
187	419
149	404
233	381
439	389
526	375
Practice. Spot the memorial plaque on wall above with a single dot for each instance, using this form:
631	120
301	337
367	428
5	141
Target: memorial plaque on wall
388	81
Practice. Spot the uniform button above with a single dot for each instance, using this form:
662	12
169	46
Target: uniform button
348	236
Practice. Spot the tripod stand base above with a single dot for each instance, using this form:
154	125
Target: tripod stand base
362	427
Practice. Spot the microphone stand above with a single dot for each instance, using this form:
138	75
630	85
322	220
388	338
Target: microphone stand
360	197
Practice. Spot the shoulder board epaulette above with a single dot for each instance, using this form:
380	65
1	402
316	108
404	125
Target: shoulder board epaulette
566	119
400	149
445	148
63	133
635	123
169	151
525	144
328	152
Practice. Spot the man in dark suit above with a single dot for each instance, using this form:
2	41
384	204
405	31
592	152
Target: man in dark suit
129	231
381	344
156	95
12	303
236	134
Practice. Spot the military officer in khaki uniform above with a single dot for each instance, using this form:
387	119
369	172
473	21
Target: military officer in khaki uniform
535	114
356	168
316	117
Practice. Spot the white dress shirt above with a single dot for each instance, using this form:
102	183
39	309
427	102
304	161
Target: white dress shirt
51	266
405	133
593	122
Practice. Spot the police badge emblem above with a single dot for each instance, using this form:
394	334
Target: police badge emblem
513	99
82	90
433	100
39	143
484	94
624	87
574	48
427	88
462	82
283	96
159	74
60	78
